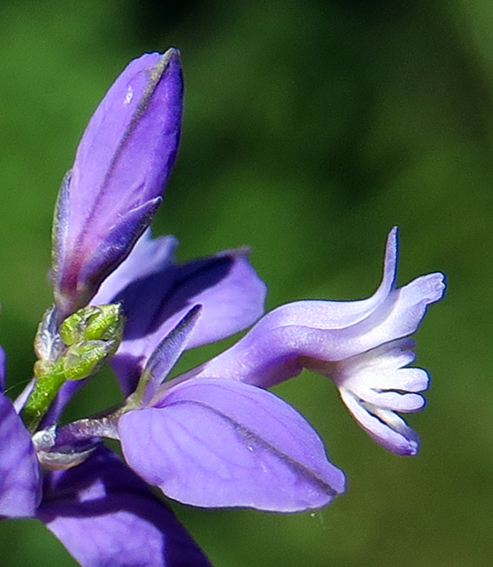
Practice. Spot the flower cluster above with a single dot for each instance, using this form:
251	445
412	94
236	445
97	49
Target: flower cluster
214	436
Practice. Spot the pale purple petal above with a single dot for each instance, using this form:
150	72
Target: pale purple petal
122	163
22	398
384	426
376	384
160	293
297	334
379	377
332	315
20	475
214	443
400	316
105	515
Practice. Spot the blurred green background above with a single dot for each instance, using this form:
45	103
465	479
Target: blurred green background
311	128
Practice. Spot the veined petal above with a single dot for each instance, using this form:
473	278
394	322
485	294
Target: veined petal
20	475
105	515
215	443
156	294
122	163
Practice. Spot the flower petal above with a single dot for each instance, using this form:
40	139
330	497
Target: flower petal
384	426
378	377
148	256
105	515
122	163
20	475
299	334
156	294
213	442
166	354
119	239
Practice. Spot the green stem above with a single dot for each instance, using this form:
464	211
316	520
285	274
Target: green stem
44	392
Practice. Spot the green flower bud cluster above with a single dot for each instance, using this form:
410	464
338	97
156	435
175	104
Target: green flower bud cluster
91	336
85	340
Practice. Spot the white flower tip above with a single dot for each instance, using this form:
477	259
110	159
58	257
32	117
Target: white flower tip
384	426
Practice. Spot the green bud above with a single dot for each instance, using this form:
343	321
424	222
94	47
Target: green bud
93	323
84	359
77	350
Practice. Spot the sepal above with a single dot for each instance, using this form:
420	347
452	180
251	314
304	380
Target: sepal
216	443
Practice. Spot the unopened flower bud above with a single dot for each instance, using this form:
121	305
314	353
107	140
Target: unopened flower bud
84	359
96	322
115	186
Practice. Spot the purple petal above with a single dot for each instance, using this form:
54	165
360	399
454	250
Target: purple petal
306	332
213	442
20	475
108	253
148	256
105	515
166	354
2	370
122	163
157	294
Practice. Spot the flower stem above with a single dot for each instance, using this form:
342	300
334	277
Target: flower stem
45	389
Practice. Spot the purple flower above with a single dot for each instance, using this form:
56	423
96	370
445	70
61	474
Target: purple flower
207	442
100	510
114	188
156	293
360	345
214	436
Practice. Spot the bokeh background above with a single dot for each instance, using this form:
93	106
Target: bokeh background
311	128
